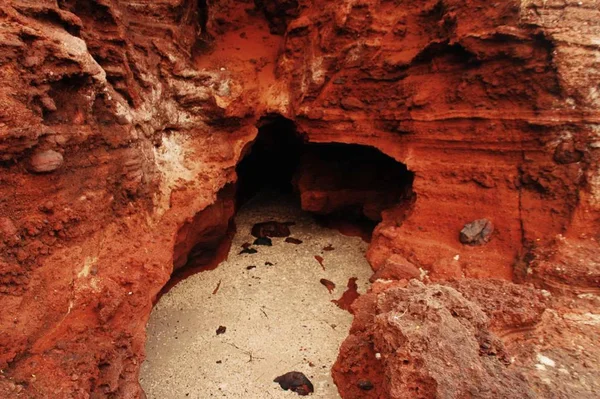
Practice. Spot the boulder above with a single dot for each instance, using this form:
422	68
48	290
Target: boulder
425	341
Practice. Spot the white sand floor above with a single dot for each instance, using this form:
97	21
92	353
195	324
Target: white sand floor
278	318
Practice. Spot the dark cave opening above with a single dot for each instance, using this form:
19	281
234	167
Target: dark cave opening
203	14
345	186
270	161
351	181
347	181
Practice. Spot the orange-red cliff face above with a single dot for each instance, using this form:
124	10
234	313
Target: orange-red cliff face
474	105
121	121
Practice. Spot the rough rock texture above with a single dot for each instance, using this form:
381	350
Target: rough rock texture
396	267
431	343
493	106
568	266
480	338
478	232
352	180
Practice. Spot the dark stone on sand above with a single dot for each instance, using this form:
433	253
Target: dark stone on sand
263	241
248	251
296	382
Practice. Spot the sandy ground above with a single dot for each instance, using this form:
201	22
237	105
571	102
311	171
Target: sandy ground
278	318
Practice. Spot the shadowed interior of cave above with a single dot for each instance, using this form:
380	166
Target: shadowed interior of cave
345	181
345	186
269	163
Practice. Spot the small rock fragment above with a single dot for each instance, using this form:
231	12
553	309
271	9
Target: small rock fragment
270	229
47	207
221	330
48	103
546	361
268	263
250	267
292	240
330	285
566	153
351	103
320	260
7	228
478	232
45	161
263	241
329	248
396	267
32	61
296	382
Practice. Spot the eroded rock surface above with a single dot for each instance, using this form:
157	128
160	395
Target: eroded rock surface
493	106
476	338
428	342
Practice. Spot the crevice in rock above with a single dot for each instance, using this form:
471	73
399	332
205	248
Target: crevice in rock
64	101
204	241
278	13
456	54
203	14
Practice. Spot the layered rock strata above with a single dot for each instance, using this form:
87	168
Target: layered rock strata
121	121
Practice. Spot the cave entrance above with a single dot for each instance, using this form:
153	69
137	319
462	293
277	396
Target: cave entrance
269	163
332	180
279	301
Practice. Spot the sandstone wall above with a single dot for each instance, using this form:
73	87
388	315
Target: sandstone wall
494	107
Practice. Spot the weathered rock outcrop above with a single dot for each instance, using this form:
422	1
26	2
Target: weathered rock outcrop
477	108
469	338
425	342
493	106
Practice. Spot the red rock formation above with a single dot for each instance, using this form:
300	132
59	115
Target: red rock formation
480	338
428	342
493	106
203	233
475	107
